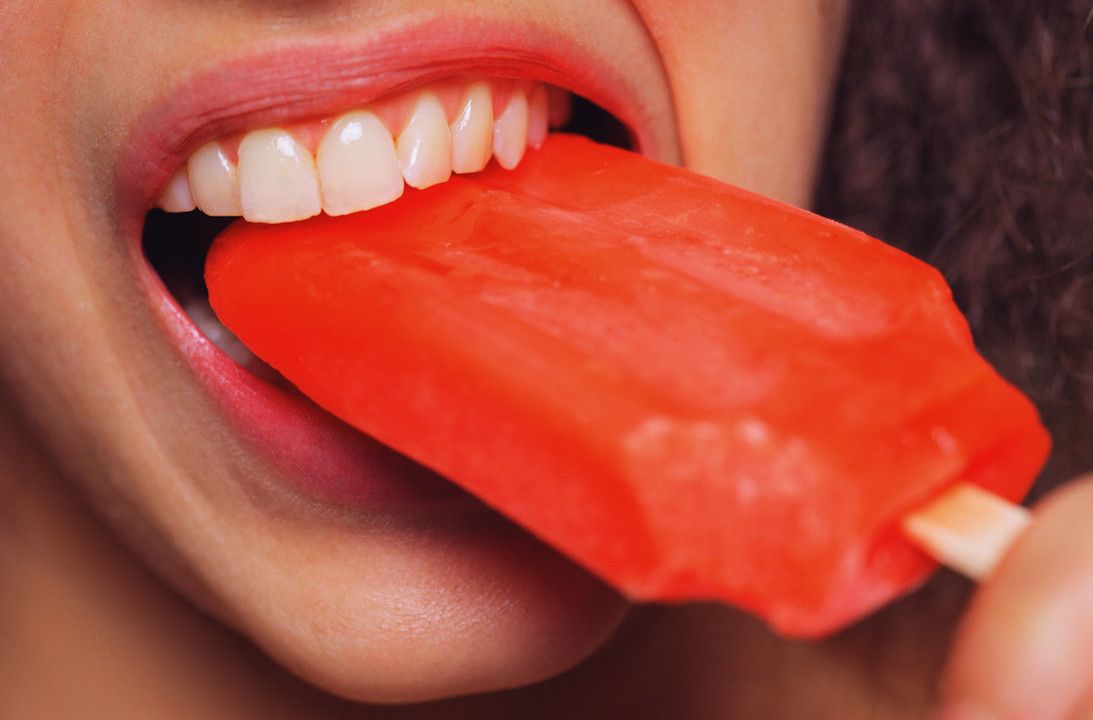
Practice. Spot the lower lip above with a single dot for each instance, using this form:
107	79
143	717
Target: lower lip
321	457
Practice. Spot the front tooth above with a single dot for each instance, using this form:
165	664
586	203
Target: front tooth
176	196
538	116
472	130
510	131
214	182
277	179
358	165
425	145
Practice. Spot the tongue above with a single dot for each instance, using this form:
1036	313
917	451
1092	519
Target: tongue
694	391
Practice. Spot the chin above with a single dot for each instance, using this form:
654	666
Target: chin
463	608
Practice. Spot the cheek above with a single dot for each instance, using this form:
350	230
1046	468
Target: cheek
751	85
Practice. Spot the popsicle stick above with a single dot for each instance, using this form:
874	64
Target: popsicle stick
967	529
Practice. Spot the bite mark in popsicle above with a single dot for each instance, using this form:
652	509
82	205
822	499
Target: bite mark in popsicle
693	391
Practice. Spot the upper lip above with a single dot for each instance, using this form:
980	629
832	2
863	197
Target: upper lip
309	78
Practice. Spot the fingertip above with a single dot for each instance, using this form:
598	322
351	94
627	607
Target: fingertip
1023	649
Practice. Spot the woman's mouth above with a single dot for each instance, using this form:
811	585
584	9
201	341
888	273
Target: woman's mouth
351	159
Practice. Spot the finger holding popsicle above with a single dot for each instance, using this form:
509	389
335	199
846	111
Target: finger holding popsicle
1024	649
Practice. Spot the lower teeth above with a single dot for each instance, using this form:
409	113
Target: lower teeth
175	246
199	311
206	321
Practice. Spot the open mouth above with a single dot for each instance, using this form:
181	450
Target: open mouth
350	162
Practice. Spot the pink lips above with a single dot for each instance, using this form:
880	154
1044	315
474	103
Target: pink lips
328	460
297	81
322	457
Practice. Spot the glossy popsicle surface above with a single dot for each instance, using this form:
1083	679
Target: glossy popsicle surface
694	391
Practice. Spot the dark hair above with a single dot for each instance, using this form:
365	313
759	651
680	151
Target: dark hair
963	133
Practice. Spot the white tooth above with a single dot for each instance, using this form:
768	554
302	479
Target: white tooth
425	145
176	196
472	130
510	131
358	165
538	116
214	182
277	179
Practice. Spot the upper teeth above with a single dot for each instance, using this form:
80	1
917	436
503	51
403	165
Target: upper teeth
355	162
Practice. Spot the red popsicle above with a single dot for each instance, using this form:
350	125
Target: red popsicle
694	391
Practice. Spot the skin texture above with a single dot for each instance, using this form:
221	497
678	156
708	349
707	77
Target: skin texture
1032	618
143	575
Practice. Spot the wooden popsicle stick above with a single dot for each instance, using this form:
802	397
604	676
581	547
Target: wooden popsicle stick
967	529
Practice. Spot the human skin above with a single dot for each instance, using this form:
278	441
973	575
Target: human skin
119	464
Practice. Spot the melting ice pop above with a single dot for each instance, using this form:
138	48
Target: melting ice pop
694	391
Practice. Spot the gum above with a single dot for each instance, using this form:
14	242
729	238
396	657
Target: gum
394	110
